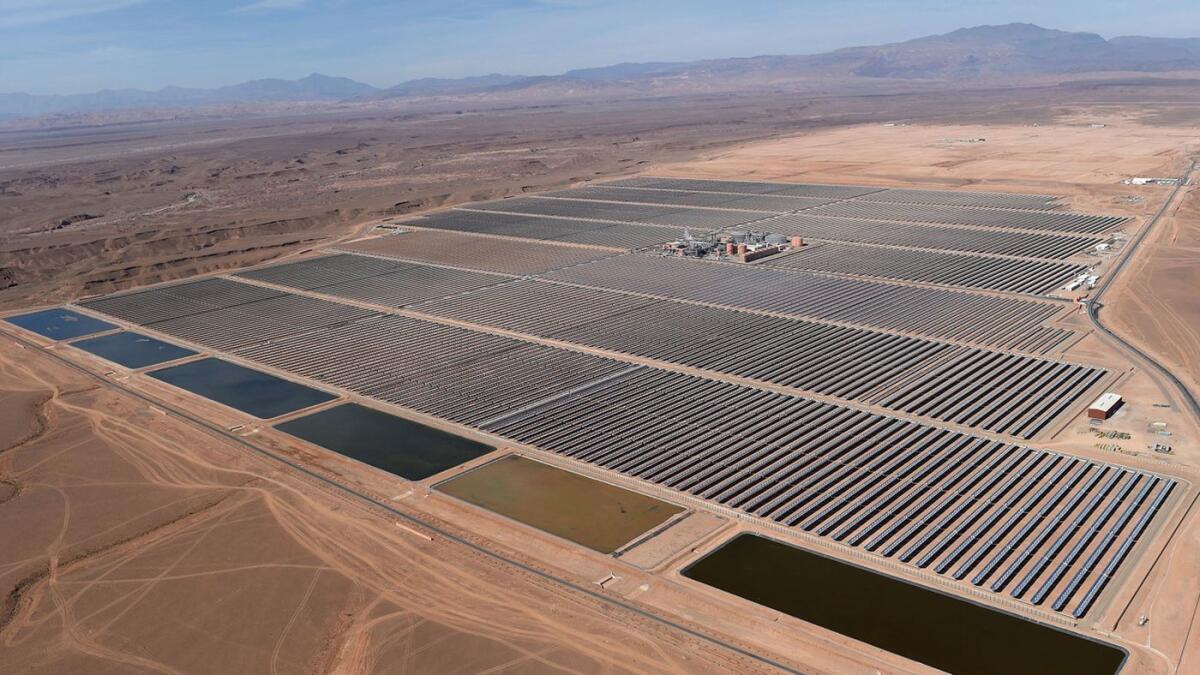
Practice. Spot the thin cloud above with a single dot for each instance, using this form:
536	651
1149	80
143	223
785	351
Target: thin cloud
113	53
268	6
30	12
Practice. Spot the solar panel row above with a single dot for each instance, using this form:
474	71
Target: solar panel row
1051	221
502	256
1006	200
912	235
950	269
246	323
161	303
572	231
699	219
773	203
456	374
1004	393
839	192
384	282
815	191
953	315
930	497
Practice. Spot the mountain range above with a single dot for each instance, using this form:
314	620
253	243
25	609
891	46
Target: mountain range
1008	51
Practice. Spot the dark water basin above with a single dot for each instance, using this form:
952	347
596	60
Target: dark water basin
402	447
245	389
132	350
924	625
59	324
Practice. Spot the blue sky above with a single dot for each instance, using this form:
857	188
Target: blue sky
67	46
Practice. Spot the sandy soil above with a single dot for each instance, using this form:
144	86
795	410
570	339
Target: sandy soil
1154	304
91	208
136	544
1065	157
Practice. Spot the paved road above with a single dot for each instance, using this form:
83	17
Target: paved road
1094	305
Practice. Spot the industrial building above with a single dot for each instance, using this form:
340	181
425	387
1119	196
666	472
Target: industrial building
736	245
1105	406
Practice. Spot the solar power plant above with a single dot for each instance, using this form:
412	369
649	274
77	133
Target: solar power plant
774	203
239	314
948	269
184	299
932	496
456	374
255	322
964	198
503	256
823	358
323	271
695	218
1024	219
384	282
536	307
815	191
574	231
1003	393
610	193
1001	322
1035	524
840	192
904	455
947	238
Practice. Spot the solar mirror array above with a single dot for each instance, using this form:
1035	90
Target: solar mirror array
873	393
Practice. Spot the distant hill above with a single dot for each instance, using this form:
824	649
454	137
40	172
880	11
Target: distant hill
312	88
625	71
1010	51
434	86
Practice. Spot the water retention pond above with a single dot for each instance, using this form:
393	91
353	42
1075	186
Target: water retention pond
597	515
924	625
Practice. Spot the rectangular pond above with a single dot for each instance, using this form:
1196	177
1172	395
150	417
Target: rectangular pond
59	323
245	389
588	512
132	350
402	447
921	624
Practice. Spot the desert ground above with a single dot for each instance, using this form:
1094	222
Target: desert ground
137	543
89	207
146	542
1152	305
